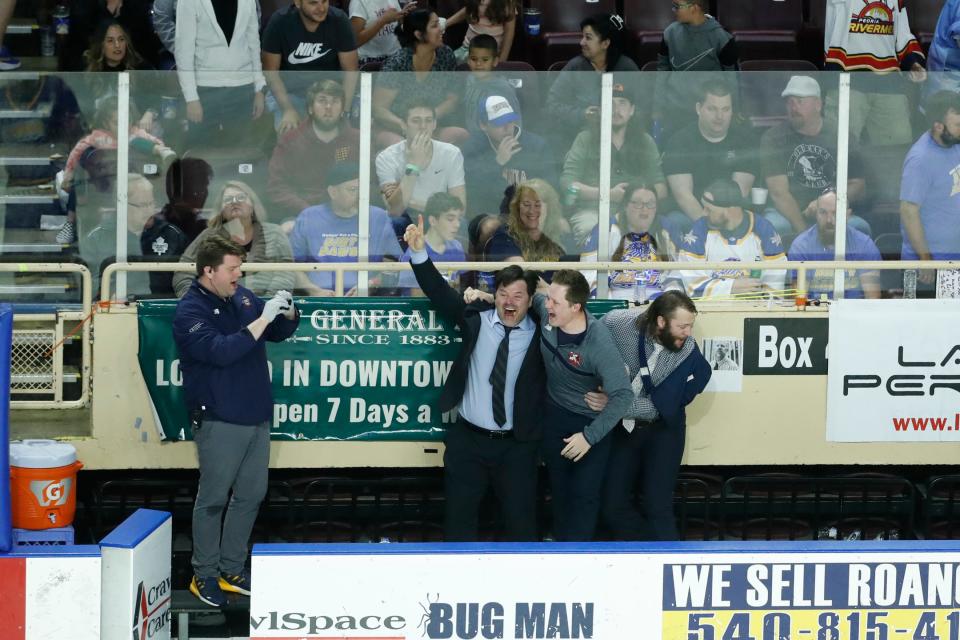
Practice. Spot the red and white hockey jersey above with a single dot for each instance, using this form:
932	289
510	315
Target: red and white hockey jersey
870	35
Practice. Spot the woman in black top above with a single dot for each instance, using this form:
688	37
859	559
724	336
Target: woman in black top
422	53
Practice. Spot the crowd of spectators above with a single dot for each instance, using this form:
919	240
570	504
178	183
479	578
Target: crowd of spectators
690	177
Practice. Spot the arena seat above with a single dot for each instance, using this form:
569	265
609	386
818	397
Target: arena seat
558	65
941	508
811	34
644	22
779	506
923	16
560	28
268	8
649	66
763	28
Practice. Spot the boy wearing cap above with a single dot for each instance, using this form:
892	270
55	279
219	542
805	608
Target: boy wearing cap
633	156
482	60
496	157
730	233
800	159
331	233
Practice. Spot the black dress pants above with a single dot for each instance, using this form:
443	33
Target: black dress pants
472	462
651	453
575	487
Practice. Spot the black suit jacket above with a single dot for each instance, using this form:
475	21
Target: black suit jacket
531	383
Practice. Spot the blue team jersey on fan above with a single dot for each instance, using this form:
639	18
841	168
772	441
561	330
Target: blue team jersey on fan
807	246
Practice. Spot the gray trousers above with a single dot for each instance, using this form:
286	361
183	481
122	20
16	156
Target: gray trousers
232	456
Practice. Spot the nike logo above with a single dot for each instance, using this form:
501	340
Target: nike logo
307	52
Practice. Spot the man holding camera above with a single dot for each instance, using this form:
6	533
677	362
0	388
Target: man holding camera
220	329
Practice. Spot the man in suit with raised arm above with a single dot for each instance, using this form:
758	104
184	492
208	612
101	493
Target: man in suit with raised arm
498	382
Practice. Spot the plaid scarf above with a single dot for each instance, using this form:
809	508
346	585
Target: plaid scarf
623	325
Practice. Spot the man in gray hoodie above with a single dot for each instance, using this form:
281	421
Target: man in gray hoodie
580	356
694	42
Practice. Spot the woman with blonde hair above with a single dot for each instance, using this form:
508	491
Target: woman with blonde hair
524	238
242	218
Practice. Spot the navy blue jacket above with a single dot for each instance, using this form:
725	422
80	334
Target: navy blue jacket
685	383
224	368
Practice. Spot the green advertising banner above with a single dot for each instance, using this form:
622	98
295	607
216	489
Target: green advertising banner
356	369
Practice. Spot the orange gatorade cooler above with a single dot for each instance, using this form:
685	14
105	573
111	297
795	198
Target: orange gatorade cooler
43	483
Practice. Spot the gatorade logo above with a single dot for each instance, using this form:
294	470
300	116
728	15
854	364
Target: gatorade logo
51	493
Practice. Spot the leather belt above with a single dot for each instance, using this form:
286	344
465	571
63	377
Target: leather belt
488	433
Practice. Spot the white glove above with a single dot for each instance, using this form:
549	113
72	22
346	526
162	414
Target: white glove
287	298
274	307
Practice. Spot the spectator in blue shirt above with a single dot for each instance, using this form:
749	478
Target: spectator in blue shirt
930	188
444	214
943	60
331	233
819	242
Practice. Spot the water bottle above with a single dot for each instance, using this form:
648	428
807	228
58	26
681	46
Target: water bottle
909	284
640	280
656	132
61	20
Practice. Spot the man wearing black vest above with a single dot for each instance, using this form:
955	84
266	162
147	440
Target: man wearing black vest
498	382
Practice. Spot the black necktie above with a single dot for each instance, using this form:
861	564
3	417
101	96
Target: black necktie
498	377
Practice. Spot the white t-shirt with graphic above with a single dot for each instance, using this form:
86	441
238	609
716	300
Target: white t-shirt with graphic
385	43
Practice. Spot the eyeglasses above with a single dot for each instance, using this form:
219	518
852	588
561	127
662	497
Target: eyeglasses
676	6
240	198
650	204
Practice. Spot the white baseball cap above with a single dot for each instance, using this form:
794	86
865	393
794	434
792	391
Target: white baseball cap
498	112
801	87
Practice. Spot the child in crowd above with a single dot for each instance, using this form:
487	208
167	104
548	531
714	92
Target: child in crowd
483	82
104	136
444	213
495	18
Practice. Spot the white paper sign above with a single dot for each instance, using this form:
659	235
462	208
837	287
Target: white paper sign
894	371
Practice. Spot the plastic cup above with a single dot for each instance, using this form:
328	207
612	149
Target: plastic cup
758	196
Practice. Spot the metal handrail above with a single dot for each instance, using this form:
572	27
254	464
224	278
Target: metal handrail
801	267
86	298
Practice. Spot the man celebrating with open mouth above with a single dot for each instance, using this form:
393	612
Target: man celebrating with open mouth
498	382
